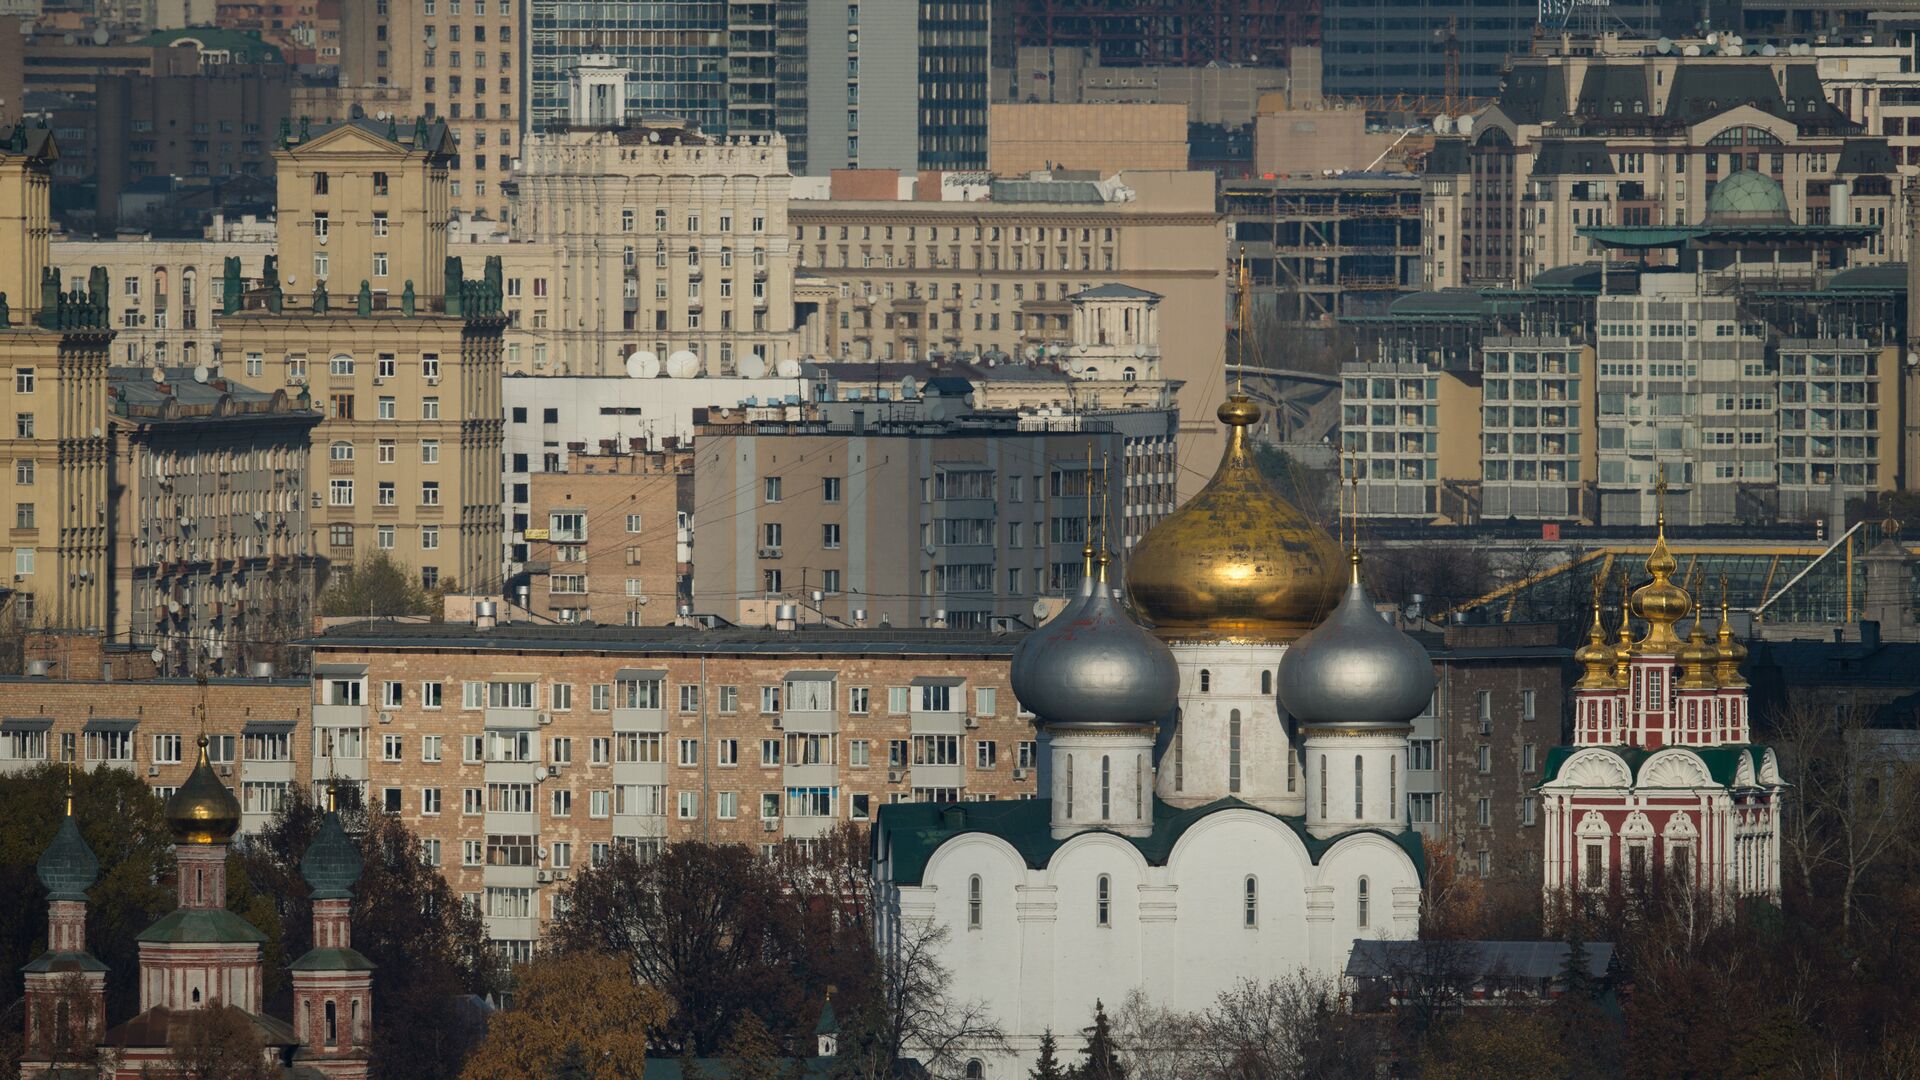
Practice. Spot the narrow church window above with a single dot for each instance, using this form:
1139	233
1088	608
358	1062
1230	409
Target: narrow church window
1179	761
1106	788
1253	901
1293	768
332	1034
1323	785
1593	866
1393	785
356	1032
1206	681
975	1070
1682	865
973	902
1103	902
1359	788
1069	785
1233	751
1266	682
1360	914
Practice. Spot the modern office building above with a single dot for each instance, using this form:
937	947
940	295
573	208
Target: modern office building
1170	33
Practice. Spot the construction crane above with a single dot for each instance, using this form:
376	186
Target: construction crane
1450	45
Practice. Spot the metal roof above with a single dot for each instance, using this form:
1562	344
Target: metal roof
665	640
1374	959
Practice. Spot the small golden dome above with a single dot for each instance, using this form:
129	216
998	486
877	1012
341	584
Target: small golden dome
1237	562
1660	602
1696	659
203	811
1623	651
1728	652
1596	656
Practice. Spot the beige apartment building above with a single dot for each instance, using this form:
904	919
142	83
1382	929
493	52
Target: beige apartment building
165	294
521	754
459	62
610	540
1619	132
400	351
905	278
1106	139
648	237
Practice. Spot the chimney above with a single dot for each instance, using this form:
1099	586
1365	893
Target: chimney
1870	633
786	617
485	615
262	669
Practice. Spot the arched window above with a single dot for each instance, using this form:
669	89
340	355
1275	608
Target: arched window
1233	751
1127	374
1252	915
1359	788
1069	785
196	995
1266	682
332	1033
1106	788
1206	681
1179	760
357	1033
973	902
1323	785
1360	905
1103	901
975	1069
1393	785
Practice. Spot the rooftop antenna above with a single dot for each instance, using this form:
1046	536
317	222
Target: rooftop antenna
1086	546
1105	555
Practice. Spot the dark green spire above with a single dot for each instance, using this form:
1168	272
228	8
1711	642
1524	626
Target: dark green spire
68	868
332	862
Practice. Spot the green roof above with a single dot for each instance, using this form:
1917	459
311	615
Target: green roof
332	863
68	868
331	960
1722	762
203	926
64	961
245	48
918	830
1748	195
1744	232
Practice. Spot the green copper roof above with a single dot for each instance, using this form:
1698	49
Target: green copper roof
918	830
1748	196
1722	762
332	862
829	1024
68	868
203	926
64	961
331	960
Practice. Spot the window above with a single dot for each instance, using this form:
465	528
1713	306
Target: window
23	380
830	489
986	754
1421	753
1360	904
562	802
974	902
1484	812
1233	751
726	751
392	747
1422	807
773	489
689	752
899	699
1206	681
339	493
430	805
430	748
1103	901
166	749
633	523
1526	705
859	752
1484	759
430	493
473	802
1250	917
858	698
726	805
1359	788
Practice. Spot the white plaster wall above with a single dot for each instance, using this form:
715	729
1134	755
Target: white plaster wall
1205	721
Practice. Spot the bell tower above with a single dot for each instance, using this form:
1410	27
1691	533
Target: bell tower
66	987
333	983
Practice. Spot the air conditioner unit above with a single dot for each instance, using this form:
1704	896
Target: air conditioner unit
894	776
972	722
1021	774
544	877
226	770
386	718
433	380
769	552
776	724
153	770
770	825
546	718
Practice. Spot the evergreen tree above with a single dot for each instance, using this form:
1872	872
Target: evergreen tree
1102	1060
1047	1068
1576	980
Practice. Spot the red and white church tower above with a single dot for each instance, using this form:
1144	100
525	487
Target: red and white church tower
1662	788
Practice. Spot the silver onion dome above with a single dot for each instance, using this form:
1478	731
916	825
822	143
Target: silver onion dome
1093	666
1355	669
1024	652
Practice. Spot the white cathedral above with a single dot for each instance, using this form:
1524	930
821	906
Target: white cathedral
1222	795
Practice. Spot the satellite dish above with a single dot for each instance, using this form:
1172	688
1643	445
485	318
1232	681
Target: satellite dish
1139	352
200	373
752	366
159	375
1443	124
643	364
1768	50
1713	38
788	368
1691	50
101	37
683	365
1039	609
539	772
1053	350
1465	124
1663	46
1033	352
909	387
159	655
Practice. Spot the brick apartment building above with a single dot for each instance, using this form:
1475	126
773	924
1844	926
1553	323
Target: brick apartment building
521	753
612	543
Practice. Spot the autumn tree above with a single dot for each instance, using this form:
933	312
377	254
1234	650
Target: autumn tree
374	585
427	949
1493	1044
578	1011
220	1042
709	925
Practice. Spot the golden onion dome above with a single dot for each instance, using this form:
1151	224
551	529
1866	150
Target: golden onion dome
1696	659
1660	602
1623	651
203	811
1596	657
1728	652
1237	562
